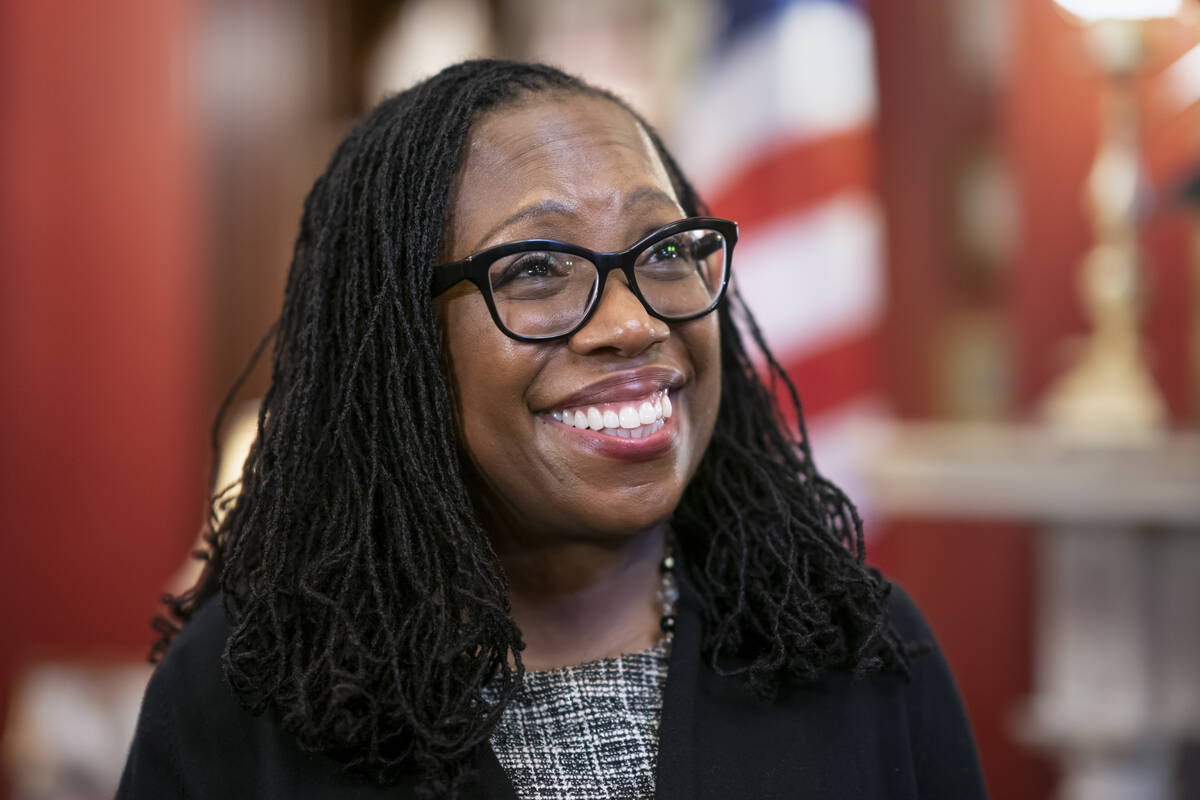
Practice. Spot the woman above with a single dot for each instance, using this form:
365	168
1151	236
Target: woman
521	519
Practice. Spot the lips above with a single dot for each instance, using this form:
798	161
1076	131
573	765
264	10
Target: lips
626	415
621	387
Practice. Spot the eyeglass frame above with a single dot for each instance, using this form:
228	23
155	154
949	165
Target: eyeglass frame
475	267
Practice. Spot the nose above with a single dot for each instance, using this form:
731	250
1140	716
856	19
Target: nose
620	324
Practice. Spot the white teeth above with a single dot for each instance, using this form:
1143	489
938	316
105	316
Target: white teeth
631	421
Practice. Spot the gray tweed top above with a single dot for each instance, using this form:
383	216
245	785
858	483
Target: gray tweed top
586	732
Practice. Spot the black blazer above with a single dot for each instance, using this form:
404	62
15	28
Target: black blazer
878	737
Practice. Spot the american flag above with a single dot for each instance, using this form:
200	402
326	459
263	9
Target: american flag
783	142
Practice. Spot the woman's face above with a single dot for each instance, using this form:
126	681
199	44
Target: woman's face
578	169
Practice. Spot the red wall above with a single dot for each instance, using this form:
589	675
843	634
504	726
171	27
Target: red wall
974	582
102	366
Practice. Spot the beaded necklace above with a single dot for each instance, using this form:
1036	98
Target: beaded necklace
668	593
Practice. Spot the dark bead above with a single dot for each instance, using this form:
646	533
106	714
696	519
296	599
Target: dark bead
667	623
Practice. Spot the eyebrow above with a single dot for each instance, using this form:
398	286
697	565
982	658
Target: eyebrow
643	195
545	208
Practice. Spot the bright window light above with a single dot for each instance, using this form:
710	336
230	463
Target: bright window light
1121	9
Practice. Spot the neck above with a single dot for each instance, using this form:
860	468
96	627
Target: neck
578	600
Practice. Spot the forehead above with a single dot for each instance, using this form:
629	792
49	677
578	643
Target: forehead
584	160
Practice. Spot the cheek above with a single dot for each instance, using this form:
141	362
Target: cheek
471	356
489	375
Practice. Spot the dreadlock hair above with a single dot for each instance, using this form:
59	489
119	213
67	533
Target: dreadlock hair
367	607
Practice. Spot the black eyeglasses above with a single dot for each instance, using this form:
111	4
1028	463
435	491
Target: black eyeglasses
540	289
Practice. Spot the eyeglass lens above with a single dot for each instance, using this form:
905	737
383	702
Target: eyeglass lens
543	293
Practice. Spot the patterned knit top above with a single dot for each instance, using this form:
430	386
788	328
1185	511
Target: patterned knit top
586	732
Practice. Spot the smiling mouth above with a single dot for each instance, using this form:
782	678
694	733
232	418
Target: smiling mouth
628	419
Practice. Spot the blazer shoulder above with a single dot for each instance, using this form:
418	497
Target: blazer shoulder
186	709
194	658
907	621
190	687
196	738
945	759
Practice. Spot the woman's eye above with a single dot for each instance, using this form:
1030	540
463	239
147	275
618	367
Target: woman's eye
539	265
530	275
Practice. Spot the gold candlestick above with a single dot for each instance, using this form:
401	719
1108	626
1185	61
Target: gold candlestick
1109	395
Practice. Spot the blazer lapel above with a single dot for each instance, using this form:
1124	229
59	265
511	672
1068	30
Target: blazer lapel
675	774
492	783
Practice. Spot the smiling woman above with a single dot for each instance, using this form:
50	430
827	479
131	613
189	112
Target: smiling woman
521	519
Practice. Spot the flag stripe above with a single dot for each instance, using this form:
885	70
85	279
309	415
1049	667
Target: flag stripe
838	374
797	176
814	277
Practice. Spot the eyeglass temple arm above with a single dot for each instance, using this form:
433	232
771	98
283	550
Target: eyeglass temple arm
448	275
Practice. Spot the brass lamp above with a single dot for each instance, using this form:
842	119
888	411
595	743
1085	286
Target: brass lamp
1109	396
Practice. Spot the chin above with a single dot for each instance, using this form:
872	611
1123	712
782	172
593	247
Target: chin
627	516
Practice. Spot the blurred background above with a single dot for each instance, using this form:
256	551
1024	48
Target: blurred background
970	228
